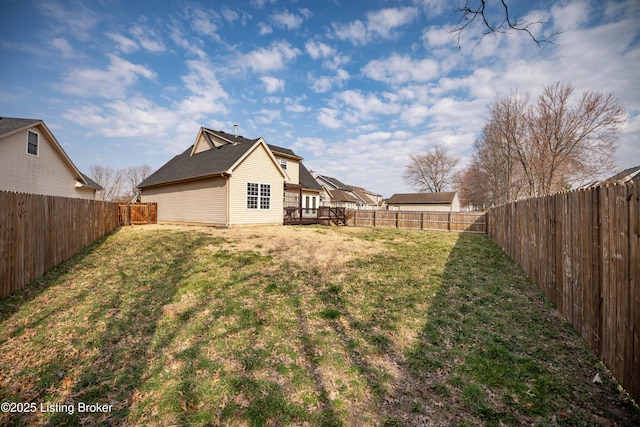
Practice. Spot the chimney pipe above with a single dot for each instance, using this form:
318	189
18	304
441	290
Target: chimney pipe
235	130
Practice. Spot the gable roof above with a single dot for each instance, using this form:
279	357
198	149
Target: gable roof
283	151
307	180
217	161
342	196
11	125
624	176
333	182
209	163
422	198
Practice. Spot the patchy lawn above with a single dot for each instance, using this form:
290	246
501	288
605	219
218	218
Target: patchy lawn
296	326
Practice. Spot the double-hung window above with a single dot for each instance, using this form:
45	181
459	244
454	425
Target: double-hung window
258	196
32	143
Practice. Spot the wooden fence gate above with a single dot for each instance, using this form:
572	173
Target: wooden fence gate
138	213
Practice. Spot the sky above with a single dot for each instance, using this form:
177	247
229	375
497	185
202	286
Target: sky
354	87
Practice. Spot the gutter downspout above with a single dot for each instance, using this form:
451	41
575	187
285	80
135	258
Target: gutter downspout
227	175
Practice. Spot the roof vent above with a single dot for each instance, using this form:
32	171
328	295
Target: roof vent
235	130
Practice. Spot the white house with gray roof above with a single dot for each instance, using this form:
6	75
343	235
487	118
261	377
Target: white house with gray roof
227	180
33	161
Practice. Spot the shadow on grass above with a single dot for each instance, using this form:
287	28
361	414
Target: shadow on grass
493	351
50	279
101	357
165	337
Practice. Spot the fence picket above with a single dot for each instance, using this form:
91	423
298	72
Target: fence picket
471	222
38	232
581	249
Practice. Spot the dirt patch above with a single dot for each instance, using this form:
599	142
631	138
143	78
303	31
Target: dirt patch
310	247
321	248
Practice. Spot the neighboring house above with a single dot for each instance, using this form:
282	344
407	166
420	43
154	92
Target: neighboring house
631	174
33	161
434	202
226	180
338	194
371	200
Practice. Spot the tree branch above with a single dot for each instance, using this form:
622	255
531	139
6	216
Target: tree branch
472	11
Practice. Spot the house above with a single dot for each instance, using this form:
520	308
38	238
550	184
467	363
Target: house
337	194
434	202
33	161
225	180
631	174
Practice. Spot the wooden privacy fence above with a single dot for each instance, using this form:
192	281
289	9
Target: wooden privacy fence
582	249
138	213
471	222
37	232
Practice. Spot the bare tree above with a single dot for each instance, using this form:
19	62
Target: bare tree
472	188
109	178
134	176
573	143
433	171
495	20
532	150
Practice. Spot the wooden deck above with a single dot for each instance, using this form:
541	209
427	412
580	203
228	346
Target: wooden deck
323	215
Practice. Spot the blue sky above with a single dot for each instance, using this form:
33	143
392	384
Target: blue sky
354	87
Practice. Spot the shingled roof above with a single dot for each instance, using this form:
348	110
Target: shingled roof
215	162
422	198
11	124
209	163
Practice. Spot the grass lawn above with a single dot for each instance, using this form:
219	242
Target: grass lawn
297	326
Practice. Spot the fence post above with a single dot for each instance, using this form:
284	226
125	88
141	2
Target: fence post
449	222
127	221
374	217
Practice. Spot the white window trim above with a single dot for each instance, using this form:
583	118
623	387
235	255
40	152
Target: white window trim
37	145
259	197
283	163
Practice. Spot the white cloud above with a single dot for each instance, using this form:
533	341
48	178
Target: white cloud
317	50
353	107
384	21
147	38
259	4
329	117
138	116
265	117
113	82
324	84
570	16
355	32
433	7
207	95
286	19
62	46
295	106
437	37
72	17
272	84
274	57
264	29
192	46
401	69
379	24
230	15
124	44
